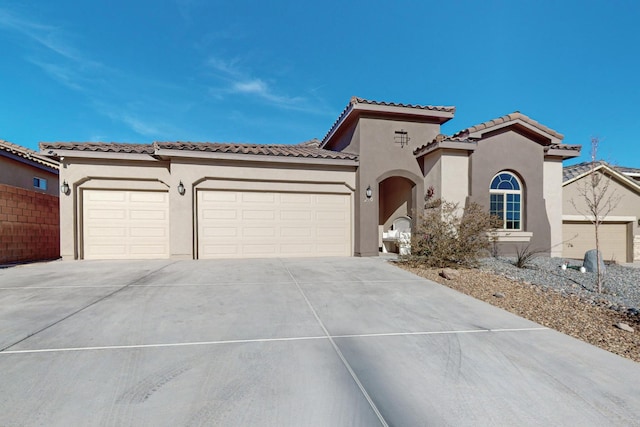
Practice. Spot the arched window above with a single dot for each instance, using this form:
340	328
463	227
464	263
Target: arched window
506	200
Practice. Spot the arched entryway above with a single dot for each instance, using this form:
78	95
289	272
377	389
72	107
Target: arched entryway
396	210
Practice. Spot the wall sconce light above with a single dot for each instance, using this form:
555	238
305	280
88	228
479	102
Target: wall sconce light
368	193
181	189
64	188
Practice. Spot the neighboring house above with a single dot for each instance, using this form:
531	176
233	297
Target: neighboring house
29	212
619	233
335	197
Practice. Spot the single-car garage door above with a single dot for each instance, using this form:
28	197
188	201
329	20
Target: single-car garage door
579	237
253	224
125	224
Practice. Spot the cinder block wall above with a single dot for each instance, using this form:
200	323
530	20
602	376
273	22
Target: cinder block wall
29	225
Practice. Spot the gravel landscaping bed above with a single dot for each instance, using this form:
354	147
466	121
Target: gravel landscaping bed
563	300
621	290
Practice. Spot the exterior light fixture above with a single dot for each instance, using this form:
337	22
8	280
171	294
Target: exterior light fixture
64	188
368	193
181	189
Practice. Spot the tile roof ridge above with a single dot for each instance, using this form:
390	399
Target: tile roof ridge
359	100
442	138
509	118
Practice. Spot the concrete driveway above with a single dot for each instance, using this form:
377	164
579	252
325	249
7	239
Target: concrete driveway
293	342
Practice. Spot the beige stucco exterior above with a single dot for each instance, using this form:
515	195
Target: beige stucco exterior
626	211
383	157
144	172
552	175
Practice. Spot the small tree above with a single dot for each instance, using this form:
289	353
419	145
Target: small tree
599	200
448	236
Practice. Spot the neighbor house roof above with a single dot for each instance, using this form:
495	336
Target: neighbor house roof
443	113
27	155
308	149
505	120
573	172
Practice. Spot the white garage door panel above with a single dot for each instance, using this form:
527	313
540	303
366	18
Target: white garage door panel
125	224
580	237
272	224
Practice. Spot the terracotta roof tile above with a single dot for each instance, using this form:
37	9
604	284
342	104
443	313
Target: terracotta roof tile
27	153
357	100
103	147
509	118
308	149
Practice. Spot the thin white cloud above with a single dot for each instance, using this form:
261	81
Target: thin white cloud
46	36
239	82
105	88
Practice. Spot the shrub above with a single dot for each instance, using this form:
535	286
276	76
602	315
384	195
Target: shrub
448	236
525	255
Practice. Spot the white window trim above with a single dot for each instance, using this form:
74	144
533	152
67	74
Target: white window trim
504	202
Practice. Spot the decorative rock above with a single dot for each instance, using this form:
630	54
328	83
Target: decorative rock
591	261
498	295
449	273
624	327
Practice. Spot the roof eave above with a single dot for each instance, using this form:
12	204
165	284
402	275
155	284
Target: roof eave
605	168
42	164
447	145
554	138
563	153
354	110
441	116
168	153
61	153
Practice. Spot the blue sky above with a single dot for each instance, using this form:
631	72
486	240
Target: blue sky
282	71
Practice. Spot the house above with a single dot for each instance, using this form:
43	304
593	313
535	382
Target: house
334	197
619	233
29	213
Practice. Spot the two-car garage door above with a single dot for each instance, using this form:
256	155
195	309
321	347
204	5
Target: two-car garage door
251	224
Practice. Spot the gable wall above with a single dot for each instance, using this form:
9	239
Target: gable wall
629	204
381	157
511	151
19	174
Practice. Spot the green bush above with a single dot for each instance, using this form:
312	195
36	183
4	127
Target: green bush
448	236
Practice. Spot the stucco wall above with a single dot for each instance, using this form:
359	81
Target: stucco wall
629	204
554	204
29	225
380	158
194	174
627	209
454	183
511	151
19	174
